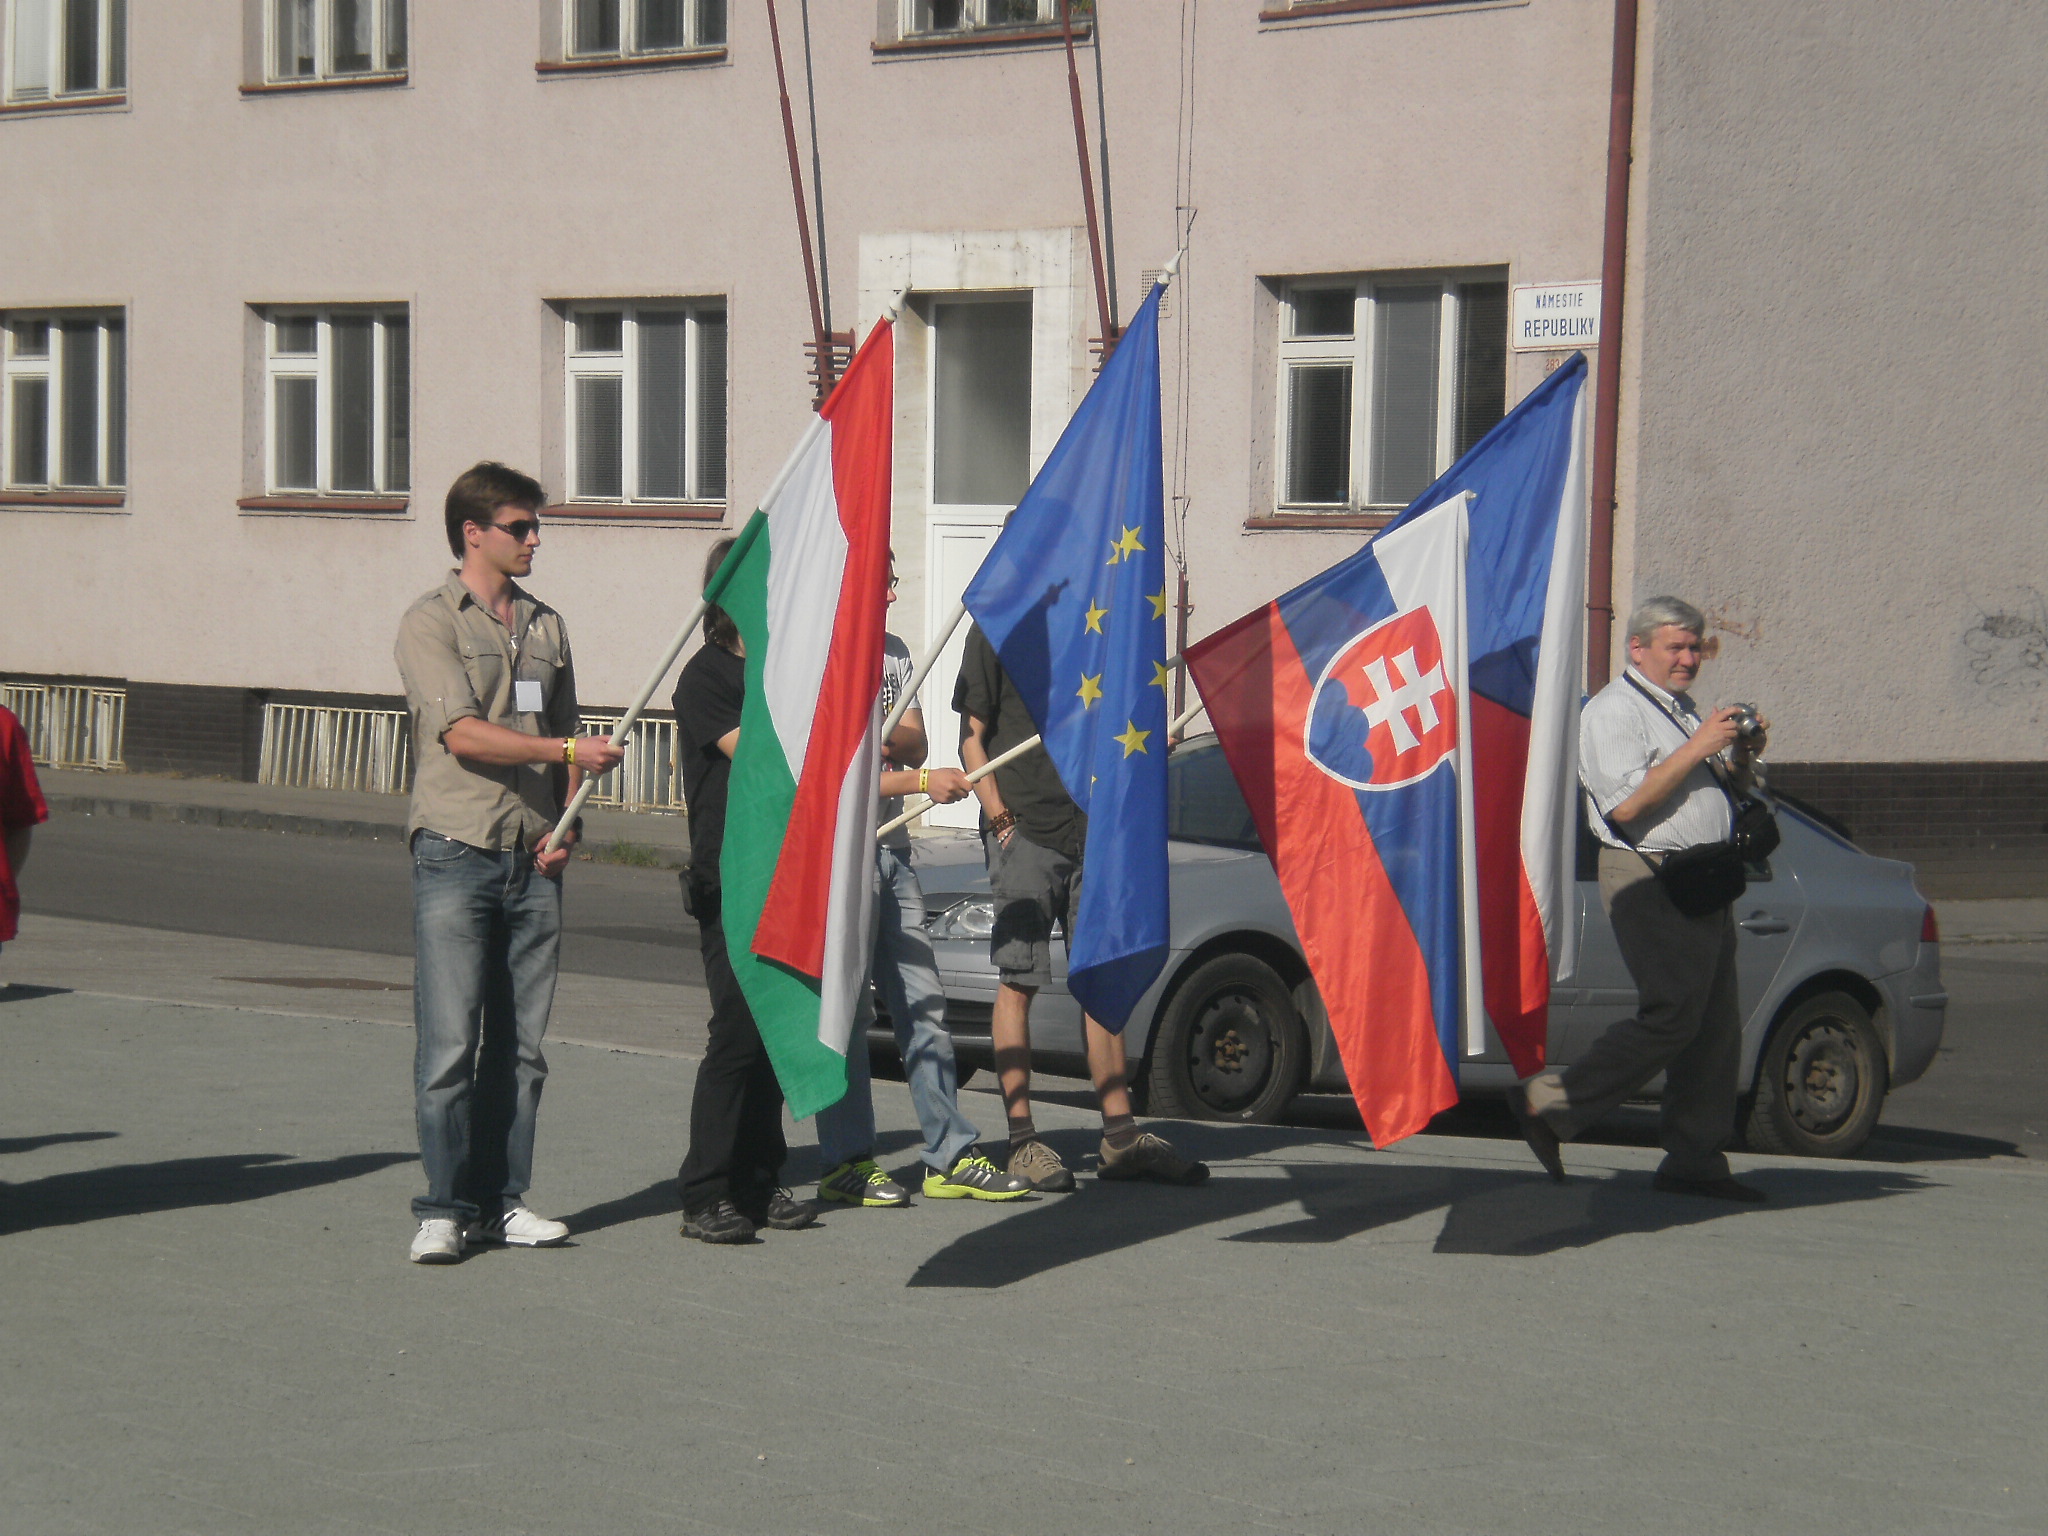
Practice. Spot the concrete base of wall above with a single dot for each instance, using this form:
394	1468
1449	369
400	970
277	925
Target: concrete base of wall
1995	809
200	732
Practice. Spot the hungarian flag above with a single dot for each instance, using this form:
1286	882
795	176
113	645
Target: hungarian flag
808	585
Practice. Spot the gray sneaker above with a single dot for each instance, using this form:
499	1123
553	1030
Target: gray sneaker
1150	1157
1040	1167
974	1177
860	1182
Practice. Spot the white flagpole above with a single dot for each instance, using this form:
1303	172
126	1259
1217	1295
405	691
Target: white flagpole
1018	751
925	663
627	722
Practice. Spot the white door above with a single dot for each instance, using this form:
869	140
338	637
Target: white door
979	448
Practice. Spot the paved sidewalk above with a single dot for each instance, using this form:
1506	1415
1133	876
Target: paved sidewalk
316	812
211	1325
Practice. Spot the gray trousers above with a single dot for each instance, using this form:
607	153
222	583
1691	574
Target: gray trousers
1688	1026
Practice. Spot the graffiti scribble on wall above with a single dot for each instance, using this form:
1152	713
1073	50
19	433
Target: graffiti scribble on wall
2008	649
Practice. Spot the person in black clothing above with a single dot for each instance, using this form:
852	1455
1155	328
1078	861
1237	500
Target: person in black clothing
1034	836
731	1177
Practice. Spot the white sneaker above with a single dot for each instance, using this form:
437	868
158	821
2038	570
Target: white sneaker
438	1241
520	1227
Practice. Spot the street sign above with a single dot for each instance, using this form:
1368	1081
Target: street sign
1552	317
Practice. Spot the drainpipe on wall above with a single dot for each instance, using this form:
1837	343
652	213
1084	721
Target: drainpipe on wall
1621	118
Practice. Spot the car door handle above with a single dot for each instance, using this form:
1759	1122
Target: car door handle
1763	922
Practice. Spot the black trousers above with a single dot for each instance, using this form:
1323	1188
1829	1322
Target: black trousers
736	1143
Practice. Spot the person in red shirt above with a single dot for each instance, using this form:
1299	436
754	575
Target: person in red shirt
21	807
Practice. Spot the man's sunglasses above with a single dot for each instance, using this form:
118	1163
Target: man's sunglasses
521	531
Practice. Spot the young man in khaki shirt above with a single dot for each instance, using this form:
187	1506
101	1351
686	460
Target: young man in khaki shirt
492	694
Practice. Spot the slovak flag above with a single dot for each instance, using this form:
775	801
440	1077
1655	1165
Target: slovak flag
1526	585
1344	711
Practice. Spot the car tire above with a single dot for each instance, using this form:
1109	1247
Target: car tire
1821	1082
1229	1046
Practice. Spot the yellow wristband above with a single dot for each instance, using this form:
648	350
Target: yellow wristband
569	750
924	779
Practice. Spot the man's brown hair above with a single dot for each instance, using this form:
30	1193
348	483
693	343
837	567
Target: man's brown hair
480	490
719	629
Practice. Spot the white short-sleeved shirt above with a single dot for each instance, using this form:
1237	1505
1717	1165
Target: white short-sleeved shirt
1622	736
896	669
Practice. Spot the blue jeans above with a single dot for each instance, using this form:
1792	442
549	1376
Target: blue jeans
486	934
908	974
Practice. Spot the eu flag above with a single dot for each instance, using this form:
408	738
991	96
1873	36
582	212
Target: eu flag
1073	598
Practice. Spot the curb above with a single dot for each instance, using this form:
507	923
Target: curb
226	816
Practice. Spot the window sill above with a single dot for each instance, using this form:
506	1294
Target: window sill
87	501
328	83
637	512
1310	10
987	37
324	503
629	63
81	103
1353	522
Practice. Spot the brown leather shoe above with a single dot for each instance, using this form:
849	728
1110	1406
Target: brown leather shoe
1541	1138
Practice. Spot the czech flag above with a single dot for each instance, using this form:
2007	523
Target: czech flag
1526	586
1344	711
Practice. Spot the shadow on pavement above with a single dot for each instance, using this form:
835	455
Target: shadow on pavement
1487	1211
19	992
657	1199
134	1189
30	1143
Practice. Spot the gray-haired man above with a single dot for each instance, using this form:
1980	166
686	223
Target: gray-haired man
1659	779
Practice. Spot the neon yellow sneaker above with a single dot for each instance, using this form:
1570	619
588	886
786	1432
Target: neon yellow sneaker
860	1182
974	1177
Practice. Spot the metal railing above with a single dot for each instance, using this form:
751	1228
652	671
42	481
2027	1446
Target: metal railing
318	746
70	725
650	779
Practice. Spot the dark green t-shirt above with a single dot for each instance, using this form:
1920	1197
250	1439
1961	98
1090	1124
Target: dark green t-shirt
1031	786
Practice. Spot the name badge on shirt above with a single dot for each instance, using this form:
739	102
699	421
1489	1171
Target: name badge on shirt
526	696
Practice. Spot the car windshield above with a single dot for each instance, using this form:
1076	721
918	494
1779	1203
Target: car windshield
1202	800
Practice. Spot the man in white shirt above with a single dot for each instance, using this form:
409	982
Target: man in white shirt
1660	779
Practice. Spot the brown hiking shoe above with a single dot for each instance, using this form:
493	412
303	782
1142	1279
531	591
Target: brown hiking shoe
1040	1167
1150	1157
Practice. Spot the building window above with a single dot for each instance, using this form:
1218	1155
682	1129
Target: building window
59	48
611	29
336	39
925	18
646	391
338	402
63	425
1384	382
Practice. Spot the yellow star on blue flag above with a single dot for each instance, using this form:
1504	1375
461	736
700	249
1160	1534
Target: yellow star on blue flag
1055	612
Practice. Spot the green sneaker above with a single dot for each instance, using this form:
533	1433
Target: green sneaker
974	1177
860	1182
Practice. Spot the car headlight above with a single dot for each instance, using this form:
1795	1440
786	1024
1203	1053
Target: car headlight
974	918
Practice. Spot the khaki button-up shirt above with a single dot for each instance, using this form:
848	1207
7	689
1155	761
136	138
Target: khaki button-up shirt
458	663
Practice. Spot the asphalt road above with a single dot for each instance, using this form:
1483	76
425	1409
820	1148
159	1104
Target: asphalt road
1983	1097
331	893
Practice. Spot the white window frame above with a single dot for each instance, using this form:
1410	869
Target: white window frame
624	365
323	42
109	66
109	406
1356	350
630	45
319	366
974	17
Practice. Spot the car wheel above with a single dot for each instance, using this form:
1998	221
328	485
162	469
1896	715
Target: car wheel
1230	1045
1821	1082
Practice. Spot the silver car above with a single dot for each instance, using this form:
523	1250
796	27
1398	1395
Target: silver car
1838	955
